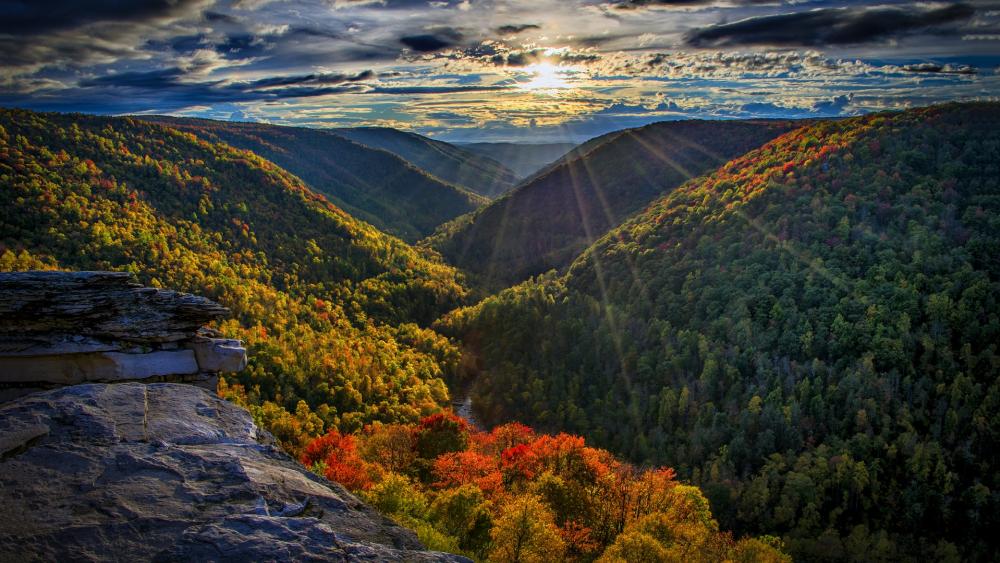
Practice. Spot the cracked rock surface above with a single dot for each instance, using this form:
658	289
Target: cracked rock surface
169	472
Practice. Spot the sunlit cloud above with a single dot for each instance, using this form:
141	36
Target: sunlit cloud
545	77
498	68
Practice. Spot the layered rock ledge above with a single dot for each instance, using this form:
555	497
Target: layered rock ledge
169	472
64	328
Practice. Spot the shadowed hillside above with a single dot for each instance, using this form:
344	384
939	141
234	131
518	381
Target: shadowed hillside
478	173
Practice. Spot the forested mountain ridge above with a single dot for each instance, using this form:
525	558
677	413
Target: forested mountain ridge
372	184
524	159
547	221
476	172
331	309
809	333
341	368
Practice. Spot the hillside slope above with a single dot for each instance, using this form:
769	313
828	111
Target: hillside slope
330	308
810	333
476	172
523	159
546	222
332	312
373	185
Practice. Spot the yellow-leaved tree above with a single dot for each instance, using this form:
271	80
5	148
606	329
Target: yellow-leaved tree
525	532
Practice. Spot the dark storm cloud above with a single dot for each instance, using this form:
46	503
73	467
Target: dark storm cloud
310	79
512	29
216	17
435	40
425	43
28	17
829	26
173	88
434	89
935	68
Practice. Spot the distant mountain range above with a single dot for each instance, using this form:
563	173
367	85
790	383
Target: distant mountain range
523	159
472	170
374	185
553	216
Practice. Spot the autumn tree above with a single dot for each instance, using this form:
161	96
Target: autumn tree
525	532
464	513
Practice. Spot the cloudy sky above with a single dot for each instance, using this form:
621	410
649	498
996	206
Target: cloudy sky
494	69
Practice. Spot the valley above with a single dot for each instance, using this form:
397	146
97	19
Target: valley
523	159
808	333
753	340
553	216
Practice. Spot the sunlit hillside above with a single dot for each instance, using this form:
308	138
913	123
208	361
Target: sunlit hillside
333	311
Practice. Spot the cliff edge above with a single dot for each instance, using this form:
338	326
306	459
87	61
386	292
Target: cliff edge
133	470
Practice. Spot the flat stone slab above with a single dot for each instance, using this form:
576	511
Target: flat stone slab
169	472
70	369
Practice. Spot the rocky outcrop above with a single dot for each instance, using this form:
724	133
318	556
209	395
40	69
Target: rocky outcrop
151	471
63	328
169	472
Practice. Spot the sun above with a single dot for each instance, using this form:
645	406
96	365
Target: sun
545	76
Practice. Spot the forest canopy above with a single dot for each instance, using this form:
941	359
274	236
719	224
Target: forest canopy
808	333
513	495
